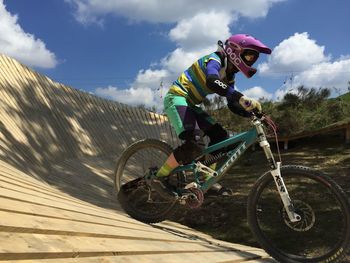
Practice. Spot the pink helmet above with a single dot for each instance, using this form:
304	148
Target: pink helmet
243	50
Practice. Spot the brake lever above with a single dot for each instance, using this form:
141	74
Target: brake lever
257	114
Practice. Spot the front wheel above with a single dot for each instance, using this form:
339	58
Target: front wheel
322	234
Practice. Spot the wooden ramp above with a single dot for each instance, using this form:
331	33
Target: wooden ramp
58	148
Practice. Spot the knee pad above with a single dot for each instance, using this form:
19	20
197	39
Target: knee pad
189	150
216	134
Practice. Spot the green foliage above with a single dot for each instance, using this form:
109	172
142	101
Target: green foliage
305	110
346	96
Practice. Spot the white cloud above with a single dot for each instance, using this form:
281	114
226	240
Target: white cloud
155	11
257	93
327	74
150	78
145	90
175	62
202	30
180	59
199	25
306	63
295	54
132	96
23	46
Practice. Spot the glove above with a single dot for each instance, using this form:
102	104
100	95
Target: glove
250	104
236	108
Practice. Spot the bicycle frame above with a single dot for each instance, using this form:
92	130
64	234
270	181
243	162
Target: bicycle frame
245	140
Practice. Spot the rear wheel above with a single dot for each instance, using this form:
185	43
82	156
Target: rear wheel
135	196
322	234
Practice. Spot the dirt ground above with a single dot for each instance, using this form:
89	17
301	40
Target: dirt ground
225	218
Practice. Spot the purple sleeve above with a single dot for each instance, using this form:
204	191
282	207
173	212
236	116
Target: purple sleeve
213	68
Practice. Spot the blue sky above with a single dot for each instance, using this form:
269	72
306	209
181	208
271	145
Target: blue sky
123	50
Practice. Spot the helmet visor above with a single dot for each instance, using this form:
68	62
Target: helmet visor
249	56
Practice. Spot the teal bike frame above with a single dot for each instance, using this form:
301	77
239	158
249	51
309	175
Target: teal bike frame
244	141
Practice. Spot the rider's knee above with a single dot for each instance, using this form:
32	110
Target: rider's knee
216	133
190	149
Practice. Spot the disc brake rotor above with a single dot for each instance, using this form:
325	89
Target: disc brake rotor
307	214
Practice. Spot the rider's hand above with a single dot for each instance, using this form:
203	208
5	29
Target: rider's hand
250	104
236	108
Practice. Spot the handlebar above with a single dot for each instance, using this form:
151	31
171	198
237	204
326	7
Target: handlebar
258	115
264	118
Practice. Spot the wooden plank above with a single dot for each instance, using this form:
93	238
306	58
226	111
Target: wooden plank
37	223
12	183
27	223
56	226
214	257
57	121
60	242
106	129
114	257
57	203
80	133
118	125
9	104
95	121
51	246
133	125
16	173
82	179
41	211
27	102
170	226
100	214
332	128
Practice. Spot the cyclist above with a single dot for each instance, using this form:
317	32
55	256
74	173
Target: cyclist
213	73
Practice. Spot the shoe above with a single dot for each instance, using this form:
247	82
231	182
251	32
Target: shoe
161	186
219	190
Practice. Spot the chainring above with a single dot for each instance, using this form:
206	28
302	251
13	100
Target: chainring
197	201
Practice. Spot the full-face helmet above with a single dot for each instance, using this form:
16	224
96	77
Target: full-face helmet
243	50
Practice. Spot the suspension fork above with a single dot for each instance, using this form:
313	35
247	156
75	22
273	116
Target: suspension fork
276	174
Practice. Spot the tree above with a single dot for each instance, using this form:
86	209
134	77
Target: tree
290	100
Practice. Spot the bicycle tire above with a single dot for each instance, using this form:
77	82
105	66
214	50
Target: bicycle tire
128	206
337	253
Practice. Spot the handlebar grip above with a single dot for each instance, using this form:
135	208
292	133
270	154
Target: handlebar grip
258	114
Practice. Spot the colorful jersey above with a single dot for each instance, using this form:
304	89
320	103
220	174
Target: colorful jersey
192	82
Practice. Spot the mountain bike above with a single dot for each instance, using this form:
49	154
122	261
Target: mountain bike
297	214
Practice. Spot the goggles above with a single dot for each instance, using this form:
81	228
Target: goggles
249	56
